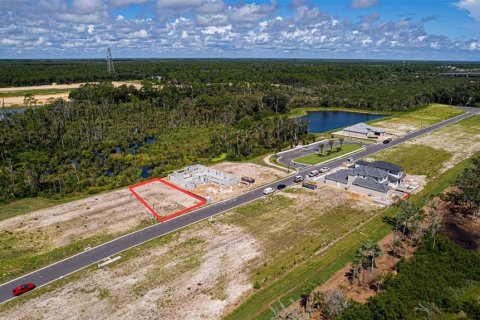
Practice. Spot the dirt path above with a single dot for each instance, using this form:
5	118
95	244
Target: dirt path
64	86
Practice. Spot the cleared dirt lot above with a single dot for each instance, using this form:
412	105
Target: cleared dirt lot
164	199
204	271
110	212
64	86
261	174
42	97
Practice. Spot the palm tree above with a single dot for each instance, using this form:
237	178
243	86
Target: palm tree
369	252
356	267
341	142
321	146
330	143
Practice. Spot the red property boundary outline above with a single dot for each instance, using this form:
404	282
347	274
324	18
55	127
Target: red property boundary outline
173	215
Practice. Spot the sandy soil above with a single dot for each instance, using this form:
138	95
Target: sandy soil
398	127
41	99
261	174
64	86
111	212
163	199
196	276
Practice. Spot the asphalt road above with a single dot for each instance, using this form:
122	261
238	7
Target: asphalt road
65	267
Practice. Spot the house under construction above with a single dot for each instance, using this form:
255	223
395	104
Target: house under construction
196	175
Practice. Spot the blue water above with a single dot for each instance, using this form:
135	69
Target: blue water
4	111
321	121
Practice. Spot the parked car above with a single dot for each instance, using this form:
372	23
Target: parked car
388	140
268	190
248	180
23	289
297	179
324	169
281	186
313	173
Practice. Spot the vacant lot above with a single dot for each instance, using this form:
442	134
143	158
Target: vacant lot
31	240
164	199
434	153
411	121
206	269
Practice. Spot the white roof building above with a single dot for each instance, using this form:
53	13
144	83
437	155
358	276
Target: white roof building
364	130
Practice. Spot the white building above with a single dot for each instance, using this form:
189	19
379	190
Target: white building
196	175
362	130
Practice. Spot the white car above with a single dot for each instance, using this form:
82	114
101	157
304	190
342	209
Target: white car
324	169
268	191
313	173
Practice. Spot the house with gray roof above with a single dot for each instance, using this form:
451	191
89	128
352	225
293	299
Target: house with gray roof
371	178
363	130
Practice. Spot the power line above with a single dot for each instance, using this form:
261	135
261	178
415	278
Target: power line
110	66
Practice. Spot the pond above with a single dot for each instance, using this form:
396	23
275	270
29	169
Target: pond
321	121
17	110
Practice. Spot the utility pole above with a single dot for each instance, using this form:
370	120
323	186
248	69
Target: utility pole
110	66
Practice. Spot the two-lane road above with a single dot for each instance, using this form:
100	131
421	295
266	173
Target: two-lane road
62	268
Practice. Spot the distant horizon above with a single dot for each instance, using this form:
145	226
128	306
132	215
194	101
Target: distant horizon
240	58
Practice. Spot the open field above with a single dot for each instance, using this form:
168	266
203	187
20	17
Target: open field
434	153
316	158
10	97
32	240
206	269
62	86
403	123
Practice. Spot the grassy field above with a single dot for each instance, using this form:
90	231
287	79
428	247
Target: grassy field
419	118
318	269
316	158
416	159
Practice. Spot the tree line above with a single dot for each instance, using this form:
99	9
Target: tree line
373	85
105	137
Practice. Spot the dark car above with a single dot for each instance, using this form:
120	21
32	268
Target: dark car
281	186
387	140
23	289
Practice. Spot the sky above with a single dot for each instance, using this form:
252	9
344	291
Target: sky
323	29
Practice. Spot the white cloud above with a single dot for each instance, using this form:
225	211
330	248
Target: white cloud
363	4
472	6
123	3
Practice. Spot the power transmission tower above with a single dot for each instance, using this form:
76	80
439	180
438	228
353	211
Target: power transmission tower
110	67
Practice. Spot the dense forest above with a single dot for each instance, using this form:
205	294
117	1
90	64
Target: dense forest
189	111
376	85
109	137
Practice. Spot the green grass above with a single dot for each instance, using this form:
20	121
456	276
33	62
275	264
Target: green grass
35	92
422	117
416	159
316	158
320	268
